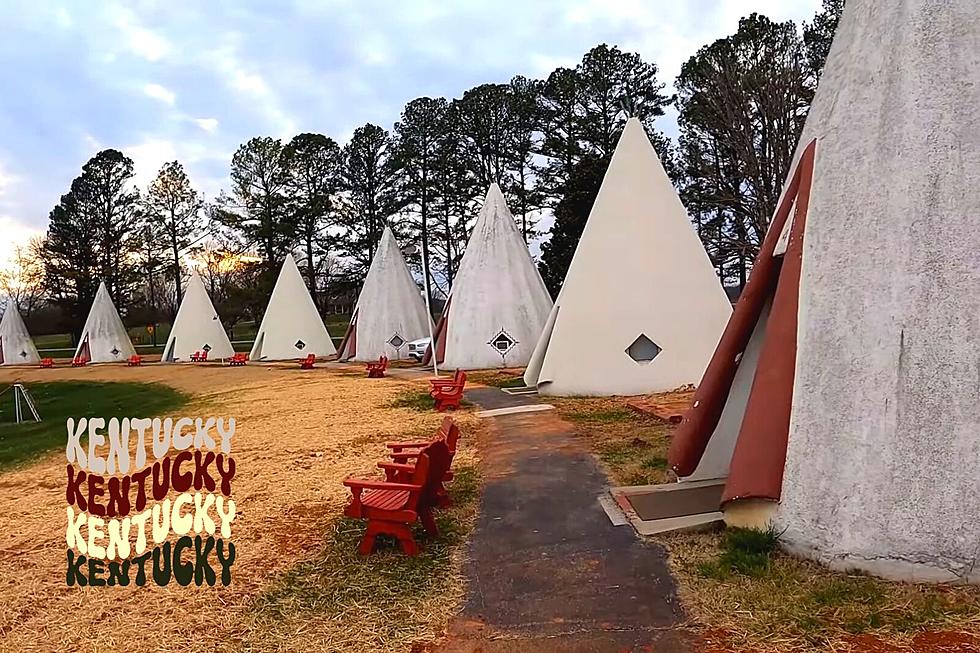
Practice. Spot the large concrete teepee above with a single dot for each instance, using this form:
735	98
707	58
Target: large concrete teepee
16	346
499	304
641	308
196	327
291	327
104	338
860	413
390	311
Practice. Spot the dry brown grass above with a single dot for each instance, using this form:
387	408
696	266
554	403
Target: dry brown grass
299	434
785	604
631	445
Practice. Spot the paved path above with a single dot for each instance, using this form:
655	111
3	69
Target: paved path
547	570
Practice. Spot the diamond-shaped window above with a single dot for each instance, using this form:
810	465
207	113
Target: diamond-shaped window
299	344
115	351
503	342
643	350
23	354
206	347
396	341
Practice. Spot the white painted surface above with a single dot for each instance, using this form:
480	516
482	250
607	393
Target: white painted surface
498	288
881	472
108	340
639	268
290	319
390	303
196	326
18	348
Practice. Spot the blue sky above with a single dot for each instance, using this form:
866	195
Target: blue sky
192	80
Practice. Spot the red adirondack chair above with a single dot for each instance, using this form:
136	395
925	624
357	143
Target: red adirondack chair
449	395
135	361
200	356
377	370
402	453
442	382
238	359
46	363
307	363
392	508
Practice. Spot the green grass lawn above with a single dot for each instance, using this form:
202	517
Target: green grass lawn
243	336
57	401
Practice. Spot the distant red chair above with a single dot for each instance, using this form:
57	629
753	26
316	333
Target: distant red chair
46	363
135	361
200	356
238	359
404	452
392	508
377	370
448	395
79	361
307	363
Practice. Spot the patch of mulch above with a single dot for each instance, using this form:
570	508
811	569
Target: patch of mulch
668	406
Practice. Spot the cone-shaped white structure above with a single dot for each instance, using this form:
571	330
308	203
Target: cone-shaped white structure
883	452
291	327
498	304
197	327
104	338
390	310
16	346
641	308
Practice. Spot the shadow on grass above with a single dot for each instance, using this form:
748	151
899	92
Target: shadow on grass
57	401
387	599
418	399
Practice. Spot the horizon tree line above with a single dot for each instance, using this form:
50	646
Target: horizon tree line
741	104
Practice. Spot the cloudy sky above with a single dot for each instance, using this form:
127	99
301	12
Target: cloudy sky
189	80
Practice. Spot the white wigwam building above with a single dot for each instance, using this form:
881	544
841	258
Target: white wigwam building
104	338
390	310
16	345
498	303
291	327
196	327
641	308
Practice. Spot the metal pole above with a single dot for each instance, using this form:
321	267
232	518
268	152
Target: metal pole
428	309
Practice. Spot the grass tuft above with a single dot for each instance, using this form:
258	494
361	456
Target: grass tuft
413	399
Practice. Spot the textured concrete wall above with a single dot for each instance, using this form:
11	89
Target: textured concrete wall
389	303
18	347
196	325
639	269
884	449
108	339
497	288
291	317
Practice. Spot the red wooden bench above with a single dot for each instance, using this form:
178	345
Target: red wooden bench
238	359
135	361
79	361
46	363
448	395
402	453
442	382
377	370
392	508
200	356
307	363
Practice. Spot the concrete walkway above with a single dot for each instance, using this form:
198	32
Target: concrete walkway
547	570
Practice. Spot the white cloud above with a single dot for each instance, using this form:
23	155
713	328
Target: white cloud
136	38
148	157
207	124
162	93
